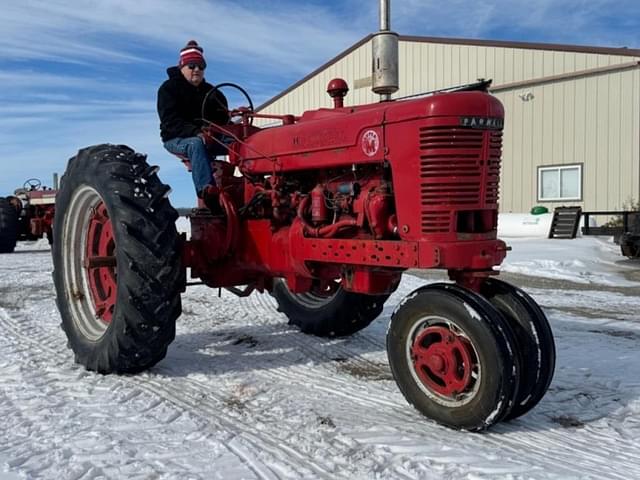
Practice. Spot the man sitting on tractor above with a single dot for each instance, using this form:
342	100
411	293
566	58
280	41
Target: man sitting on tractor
180	107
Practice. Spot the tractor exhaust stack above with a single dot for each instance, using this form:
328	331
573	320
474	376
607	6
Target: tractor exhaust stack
385	56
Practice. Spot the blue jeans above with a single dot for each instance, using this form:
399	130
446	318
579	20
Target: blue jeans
200	157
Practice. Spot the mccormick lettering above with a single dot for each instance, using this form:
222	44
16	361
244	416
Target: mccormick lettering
324	138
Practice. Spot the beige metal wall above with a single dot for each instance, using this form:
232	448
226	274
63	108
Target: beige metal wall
592	117
593	121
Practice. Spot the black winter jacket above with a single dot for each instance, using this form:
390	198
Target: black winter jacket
180	106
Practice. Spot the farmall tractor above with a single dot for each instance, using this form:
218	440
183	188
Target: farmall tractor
27	214
328	211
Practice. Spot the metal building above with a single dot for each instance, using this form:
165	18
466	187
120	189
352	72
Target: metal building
572	126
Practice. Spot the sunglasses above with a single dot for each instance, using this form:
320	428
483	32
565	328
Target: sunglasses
193	66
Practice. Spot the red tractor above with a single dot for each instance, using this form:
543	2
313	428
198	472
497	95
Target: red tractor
325	212
329	210
27	215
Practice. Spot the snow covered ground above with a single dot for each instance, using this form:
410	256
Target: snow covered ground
243	395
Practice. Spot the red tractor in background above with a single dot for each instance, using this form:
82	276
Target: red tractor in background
325	212
27	214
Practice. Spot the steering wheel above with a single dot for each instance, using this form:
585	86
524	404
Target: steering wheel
32	184
211	97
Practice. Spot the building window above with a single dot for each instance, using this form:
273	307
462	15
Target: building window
560	183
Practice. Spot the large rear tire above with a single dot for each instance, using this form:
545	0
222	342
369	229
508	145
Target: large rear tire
117	266
453	357
334	313
8	226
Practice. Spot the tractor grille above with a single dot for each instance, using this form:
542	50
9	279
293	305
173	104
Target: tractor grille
493	167
457	172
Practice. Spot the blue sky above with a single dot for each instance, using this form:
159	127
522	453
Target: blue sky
75	73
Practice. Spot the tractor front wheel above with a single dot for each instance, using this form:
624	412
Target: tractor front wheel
117	266
8	226
330	311
534	341
453	357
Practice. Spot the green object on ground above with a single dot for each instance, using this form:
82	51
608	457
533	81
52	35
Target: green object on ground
538	209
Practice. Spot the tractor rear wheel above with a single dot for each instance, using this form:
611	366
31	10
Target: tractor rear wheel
453	357
534	341
117	266
8	226
331	312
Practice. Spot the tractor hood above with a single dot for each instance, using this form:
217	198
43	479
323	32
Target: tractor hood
354	134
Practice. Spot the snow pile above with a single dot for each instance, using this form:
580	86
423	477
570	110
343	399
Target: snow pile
595	260
585	259
38	245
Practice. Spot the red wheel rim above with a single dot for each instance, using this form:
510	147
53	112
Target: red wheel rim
444	361
100	263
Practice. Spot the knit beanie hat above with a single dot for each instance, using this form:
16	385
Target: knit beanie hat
191	53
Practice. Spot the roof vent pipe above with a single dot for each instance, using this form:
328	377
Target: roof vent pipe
385	56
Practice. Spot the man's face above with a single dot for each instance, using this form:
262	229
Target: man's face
193	72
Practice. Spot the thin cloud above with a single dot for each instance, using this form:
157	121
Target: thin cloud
38	80
262	34
65	110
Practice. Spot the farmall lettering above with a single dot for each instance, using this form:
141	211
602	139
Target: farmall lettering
490	123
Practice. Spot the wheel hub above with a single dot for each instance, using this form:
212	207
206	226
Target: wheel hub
443	361
437	363
100	263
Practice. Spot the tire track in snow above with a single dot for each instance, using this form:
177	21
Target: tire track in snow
344	352
64	434
58	357
553	448
340	346
559	438
559	441
201	389
191	395
562	440
54	344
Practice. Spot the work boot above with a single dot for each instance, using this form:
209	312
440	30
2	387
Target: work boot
211	197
